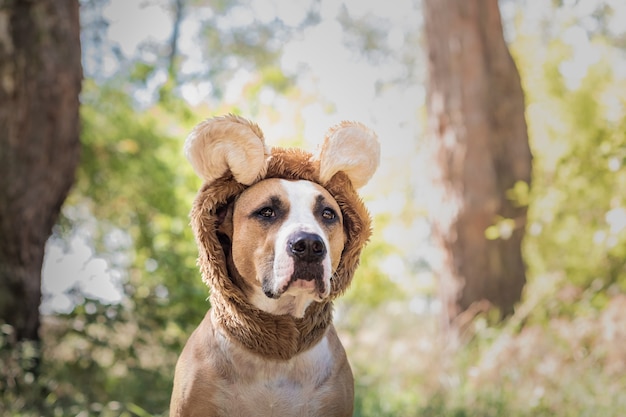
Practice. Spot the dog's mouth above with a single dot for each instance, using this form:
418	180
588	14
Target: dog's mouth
307	277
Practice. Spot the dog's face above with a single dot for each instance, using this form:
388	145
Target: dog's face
286	242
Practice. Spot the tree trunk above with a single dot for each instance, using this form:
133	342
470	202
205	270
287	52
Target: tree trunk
40	80
479	144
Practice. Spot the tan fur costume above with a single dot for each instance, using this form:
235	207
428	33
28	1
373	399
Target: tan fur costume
346	161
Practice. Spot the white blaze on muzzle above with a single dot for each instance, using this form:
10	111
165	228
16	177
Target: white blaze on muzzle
301	253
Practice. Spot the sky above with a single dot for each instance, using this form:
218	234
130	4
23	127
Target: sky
341	76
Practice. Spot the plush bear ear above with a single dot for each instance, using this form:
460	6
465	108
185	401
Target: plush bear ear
352	148
227	143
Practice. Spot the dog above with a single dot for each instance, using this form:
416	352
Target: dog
280	232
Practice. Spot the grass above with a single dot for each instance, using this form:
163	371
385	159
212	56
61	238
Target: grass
567	365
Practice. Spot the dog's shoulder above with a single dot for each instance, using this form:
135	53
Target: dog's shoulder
200	371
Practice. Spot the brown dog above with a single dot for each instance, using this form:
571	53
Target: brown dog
279	232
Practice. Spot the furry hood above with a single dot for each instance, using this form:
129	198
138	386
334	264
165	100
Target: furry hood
229	154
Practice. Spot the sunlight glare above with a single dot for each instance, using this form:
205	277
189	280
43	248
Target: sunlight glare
76	268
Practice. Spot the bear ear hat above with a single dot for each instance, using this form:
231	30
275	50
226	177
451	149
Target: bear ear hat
228	143
352	148
232	143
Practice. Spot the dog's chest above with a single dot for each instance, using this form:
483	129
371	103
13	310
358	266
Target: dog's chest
280	388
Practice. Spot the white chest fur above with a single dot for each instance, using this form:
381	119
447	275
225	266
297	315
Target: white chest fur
262	387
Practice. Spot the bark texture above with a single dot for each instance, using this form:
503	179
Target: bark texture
479	144
40	80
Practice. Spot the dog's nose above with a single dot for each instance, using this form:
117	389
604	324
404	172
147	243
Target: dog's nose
307	247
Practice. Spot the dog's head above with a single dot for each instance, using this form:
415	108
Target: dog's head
279	228
283	241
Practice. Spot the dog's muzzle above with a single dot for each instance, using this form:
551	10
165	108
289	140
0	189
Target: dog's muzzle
306	264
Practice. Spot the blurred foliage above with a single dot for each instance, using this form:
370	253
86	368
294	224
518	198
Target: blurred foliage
562	367
133	179
577	217
371	287
119	359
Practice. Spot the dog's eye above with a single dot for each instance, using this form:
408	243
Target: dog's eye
328	214
266	212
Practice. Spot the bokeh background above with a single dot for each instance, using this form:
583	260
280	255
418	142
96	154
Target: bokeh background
121	290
